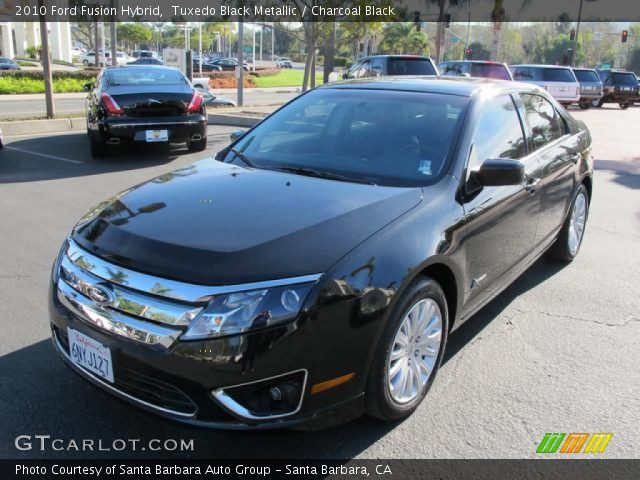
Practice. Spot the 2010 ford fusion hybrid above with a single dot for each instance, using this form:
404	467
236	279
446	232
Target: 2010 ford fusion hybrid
313	270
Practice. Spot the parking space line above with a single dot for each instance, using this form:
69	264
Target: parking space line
45	155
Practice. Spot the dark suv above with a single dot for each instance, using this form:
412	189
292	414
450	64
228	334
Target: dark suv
475	68
620	87
590	87
382	65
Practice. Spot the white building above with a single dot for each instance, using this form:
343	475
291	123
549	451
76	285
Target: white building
17	37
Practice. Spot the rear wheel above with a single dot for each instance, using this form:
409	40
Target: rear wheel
568	243
198	145
624	105
598	103
409	352
584	105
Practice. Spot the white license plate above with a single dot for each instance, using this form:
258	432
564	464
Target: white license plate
90	354
157	135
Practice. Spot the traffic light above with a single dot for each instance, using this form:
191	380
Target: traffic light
572	35
469	53
416	20
625	34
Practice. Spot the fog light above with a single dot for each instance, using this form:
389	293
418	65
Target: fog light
270	398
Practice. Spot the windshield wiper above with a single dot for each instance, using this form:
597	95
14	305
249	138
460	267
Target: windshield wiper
310	172
243	157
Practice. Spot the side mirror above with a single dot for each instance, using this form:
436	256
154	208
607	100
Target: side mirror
87	87
236	134
499	172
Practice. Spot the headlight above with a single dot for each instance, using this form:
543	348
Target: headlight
239	312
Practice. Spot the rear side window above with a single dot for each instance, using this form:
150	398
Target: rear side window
557	75
628	79
525	74
545	123
586	76
452	69
489	70
499	133
410	66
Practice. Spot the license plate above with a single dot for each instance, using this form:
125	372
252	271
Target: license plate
157	135
90	354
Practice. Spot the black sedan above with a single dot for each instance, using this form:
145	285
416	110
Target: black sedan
8	64
228	64
144	104
313	269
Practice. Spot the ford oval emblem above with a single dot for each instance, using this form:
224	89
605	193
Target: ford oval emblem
100	294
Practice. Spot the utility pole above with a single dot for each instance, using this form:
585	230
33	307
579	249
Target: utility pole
114	60
273	43
240	75
574	54
466	47
253	58
46	62
200	47
261	28
96	50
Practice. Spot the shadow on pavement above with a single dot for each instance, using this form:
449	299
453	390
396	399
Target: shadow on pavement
20	161
627	173
40	395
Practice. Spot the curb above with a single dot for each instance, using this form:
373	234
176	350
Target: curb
34	127
59	125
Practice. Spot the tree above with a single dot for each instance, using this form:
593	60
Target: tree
479	51
132	34
402	38
634	60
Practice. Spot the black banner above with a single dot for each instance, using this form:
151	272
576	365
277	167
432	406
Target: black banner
547	469
317	10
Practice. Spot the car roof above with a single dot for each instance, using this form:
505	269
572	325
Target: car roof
490	62
136	67
461	86
533	65
584	69
394	56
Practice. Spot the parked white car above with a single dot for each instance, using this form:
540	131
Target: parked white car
89	58
76	52
122	58
200	82
559	81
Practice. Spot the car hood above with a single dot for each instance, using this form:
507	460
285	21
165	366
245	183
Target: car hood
218	224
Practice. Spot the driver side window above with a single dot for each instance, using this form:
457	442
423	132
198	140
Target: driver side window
498	133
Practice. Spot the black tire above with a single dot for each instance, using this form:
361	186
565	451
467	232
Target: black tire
379	403
198	146
584	105
98	149
559	250
624	105
598	104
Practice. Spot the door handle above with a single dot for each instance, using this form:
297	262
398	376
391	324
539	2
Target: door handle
532	184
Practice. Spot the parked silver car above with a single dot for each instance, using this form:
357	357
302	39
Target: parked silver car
590	87
559	81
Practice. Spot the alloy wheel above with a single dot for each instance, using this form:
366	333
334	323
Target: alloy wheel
577	223
414	352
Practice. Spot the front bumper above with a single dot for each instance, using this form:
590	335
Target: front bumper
127	129
178	379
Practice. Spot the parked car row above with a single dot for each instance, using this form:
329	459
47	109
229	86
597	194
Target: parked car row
584	86
8	64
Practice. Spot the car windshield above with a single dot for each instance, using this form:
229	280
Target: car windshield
620	78
586	76
145	76
373	136
410	66
557	75
285	59
490	70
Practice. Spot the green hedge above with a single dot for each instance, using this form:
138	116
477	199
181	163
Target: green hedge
88	74
12	84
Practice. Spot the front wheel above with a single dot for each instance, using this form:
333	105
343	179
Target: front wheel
624	105
409	352
584	105
569	240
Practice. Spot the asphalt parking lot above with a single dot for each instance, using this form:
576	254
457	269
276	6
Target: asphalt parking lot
558	351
